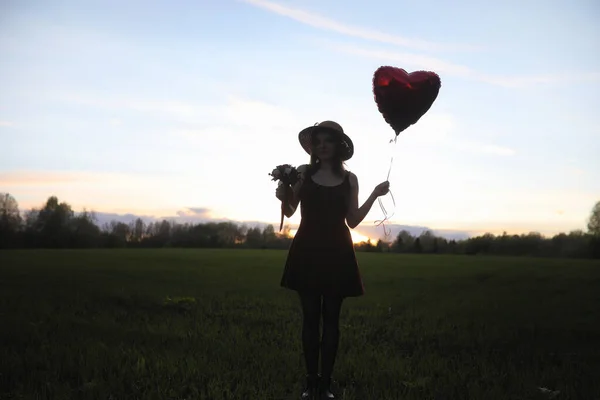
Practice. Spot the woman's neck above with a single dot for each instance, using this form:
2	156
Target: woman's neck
326	165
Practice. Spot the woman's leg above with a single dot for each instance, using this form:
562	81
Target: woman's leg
332	307
311	318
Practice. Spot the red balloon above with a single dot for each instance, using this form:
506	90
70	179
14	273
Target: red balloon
403	98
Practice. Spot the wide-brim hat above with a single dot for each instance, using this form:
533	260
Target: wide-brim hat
306	134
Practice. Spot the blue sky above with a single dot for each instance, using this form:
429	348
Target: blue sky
165	108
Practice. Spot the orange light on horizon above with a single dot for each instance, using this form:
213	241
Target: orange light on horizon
358	238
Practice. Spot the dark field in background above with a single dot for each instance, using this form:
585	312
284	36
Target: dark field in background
214	324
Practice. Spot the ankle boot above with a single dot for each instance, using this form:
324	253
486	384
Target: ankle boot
325	389
311	388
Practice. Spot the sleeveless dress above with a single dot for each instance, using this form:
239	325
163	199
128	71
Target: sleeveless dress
321	258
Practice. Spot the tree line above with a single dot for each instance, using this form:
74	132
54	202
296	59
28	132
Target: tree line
56	225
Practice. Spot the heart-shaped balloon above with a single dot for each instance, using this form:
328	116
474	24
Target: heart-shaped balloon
403	98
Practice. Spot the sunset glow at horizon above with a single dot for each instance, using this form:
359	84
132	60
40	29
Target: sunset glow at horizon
356	237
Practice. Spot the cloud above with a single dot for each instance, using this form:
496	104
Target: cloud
191	215
195	213
243	121
418	61
8	124
178	109
485	148
575	171
435	127
110	191
440	129
523	81
325	23
258	114
442	67
199	210
194	118
102	218
181	216
499	150
48	178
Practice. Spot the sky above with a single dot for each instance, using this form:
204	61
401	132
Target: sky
181	108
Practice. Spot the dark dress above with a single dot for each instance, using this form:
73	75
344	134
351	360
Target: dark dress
321	258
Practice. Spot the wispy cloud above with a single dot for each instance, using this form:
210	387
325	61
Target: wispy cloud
419	61
243	118
50	178
182	216
45	178
179	217
182	110
108	190
233	111
408	59
195	213
574	171
441	130
321	22
530	80
8	124
486	148
257	114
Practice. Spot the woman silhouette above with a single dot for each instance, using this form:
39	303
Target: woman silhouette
321	264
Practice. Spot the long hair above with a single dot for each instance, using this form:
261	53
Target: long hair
337	163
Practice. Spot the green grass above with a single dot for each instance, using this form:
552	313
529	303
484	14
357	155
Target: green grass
214	324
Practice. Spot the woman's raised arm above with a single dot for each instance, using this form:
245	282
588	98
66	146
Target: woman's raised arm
356	214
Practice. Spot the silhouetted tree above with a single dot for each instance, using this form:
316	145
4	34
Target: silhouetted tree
254	238
594	231
269	237
366	246
10	221
51	226
382	246
137	229
436	246
403	243
115	234
452	247
426	239
84	231
417	248
594	220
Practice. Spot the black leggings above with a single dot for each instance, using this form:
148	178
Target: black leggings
313	306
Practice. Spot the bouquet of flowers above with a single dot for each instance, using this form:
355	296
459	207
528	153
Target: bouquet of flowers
287	176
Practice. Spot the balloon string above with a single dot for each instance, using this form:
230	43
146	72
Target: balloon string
387	231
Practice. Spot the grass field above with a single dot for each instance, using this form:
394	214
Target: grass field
214	324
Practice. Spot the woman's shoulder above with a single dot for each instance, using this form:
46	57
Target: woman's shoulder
352	178
351	175
303	168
